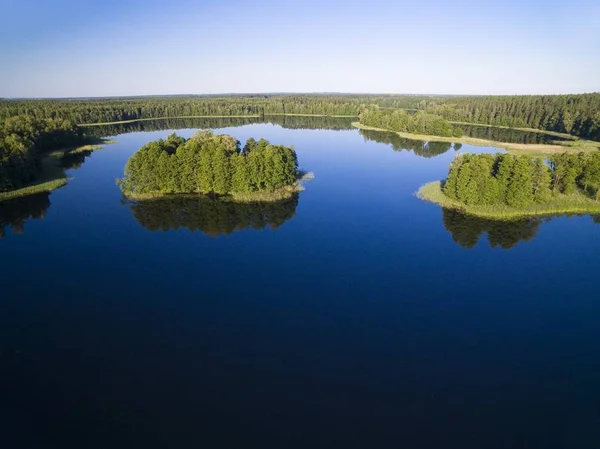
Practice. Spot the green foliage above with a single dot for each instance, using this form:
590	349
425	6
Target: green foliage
520	181
400	121
23	141
574	114
519	193
209	164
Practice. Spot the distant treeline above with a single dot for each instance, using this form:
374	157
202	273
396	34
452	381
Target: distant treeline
285	121
210	216
419	147
575	114
24	139
400	121
519	181
209	164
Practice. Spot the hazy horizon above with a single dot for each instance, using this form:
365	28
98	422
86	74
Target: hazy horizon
225	94
85	49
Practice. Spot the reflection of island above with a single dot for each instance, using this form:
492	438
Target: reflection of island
419	147
466	230
211	216
15	213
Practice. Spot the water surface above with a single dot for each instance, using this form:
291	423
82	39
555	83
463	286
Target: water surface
354	315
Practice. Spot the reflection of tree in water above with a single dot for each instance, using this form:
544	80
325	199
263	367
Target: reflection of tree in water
211	216
308	122
419	147
291	122
14	213
168	124
507	134
74	159
466	230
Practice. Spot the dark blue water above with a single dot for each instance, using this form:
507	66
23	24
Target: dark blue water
363	318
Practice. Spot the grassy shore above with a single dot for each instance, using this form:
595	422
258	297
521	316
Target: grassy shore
574	146
255	197
576	203
53	175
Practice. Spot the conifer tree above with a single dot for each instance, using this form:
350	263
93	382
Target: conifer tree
519	193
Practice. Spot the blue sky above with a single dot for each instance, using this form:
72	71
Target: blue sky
63	48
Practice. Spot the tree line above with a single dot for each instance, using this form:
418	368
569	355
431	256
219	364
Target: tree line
209	164
573	114
210	216
24	140
578	115
399	120
520	181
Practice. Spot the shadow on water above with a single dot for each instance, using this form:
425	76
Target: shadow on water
419	147
210	216
467	230
74	159
16	212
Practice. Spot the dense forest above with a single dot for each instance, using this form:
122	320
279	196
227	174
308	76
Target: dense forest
28	128
419	147
24	139
578	115
520	181
209	164
574	114
399	120
210	216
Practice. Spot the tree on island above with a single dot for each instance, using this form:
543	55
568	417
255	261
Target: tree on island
401	121
520	181
209	164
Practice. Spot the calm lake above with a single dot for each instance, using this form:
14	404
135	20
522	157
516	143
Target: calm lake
352	315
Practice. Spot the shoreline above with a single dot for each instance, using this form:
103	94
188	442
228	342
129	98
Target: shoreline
561	205
124	122
516	148
254	197
53	176
531	130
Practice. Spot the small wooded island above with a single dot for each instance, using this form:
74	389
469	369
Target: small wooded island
212	164
504	186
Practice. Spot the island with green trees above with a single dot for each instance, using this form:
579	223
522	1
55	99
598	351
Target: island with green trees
504	186
212	164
